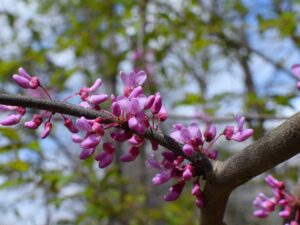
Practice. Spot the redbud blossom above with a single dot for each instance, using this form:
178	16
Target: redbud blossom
87	152
14	118
86	94
157	104
25	80
188	172
162	177
162	115
286	202
150	101
188	150
47	130
35	122
237	133
174	191
210	133
91	141
69	124
132	80
105	158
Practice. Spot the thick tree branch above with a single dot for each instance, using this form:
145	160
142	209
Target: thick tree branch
276	147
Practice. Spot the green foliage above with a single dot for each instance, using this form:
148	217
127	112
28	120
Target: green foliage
186	40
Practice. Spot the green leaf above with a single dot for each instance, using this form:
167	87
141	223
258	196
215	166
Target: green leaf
18	165
190	99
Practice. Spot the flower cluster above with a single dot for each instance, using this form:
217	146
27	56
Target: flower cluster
281	198
138	112
131	107
194	145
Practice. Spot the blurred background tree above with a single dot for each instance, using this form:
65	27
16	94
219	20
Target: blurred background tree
209	59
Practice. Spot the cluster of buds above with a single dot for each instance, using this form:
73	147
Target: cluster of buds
281	198
194	145
139	113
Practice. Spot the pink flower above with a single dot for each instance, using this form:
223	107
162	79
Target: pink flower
86	94
149	102
188	150
106	157
162	115
91	141
87	152
188	172
191	137
132	80
264	205
162	177
13	118
237	133
157	104
47	130
69	124
25	80
174	191
210	133
35	122
273	183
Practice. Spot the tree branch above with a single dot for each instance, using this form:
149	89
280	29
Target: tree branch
202	165
279	145
276	147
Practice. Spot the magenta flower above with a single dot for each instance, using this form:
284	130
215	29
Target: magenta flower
196	191
87	94
210	133
70	125
162	115
91	141
106	157
35	122
47	130
26	81
86	152
162	177
188	172
191	137
132	108
132	80
174	191
281	198
13	118
157	104
237	133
